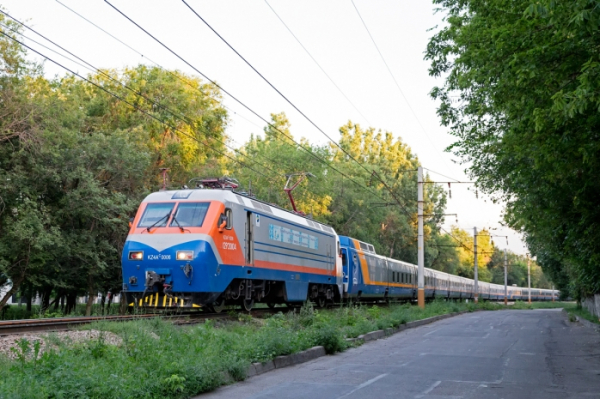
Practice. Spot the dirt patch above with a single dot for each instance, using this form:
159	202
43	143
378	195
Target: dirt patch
10	343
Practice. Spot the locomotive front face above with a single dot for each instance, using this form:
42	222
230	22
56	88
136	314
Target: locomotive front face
172	250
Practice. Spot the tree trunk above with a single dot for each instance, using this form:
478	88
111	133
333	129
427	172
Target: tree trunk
92	295
123	305
71	303
29	300
58	299
102	302
13	290
88	305
110	299
46	293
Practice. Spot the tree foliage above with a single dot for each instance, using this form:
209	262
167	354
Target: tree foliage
521	95
75	161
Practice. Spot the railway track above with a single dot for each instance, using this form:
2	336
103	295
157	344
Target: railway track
67	323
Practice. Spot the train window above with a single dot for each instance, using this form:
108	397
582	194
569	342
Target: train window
190	214
229	215
156	214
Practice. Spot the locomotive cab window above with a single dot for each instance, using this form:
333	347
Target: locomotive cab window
156	214
190	214
227	218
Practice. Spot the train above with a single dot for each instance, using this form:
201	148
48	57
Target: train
211	246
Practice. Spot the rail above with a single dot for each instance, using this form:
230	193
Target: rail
66	323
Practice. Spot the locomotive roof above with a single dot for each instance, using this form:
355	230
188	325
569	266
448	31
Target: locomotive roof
227	195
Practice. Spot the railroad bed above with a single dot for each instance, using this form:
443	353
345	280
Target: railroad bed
66	323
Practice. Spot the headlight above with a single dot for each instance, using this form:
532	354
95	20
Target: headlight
136	255
185	255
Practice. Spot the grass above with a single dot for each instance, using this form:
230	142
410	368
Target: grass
522	305
160	360
582	313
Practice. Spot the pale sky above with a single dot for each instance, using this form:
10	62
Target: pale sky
330	30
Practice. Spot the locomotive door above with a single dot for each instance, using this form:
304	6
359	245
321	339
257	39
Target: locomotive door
249	250
345	268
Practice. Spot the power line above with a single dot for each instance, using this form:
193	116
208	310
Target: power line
144	56
447	177
92	68
395	81
272	86
317	63
298	145
130	104
149	59
239	101
373	173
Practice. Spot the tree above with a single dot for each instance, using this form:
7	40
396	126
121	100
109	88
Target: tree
76	161
521	94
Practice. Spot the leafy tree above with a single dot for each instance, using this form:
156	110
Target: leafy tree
75	163
521	94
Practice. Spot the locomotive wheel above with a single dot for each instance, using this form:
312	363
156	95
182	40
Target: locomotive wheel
247	304
321	302
218	306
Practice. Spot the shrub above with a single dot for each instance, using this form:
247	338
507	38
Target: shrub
330	338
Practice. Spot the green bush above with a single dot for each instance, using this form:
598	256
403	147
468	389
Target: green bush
329	337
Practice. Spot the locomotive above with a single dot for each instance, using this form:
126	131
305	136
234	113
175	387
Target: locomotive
212	246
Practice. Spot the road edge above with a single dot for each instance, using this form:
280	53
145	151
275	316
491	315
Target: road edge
584	322
318	351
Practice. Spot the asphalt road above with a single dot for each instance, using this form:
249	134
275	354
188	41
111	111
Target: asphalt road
501	354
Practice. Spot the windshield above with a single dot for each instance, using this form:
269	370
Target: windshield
190	214
156	214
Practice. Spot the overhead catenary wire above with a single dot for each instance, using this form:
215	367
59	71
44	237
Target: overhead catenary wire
174	128
372	172
178	77
395	81
143	55
317	63
239	101
168	124
448	177
272	86
92	68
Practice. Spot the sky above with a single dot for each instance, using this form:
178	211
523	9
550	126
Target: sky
333	34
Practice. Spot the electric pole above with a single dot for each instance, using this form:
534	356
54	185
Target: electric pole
505	278
420	241
475	261
528	279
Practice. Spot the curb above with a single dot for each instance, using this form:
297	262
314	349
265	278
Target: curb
588	323
584	322
317	351
285	361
